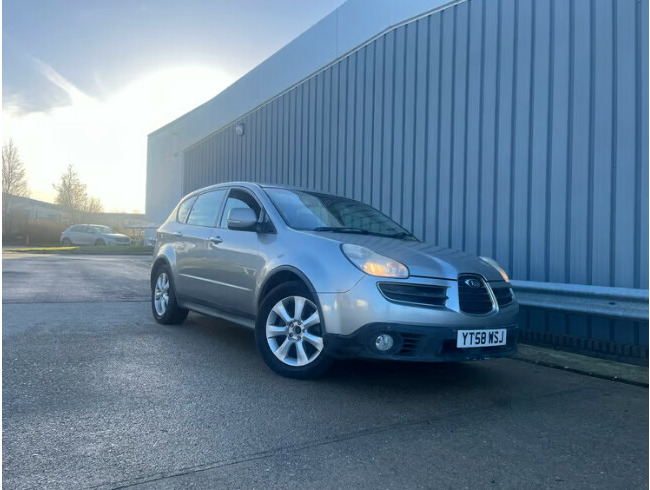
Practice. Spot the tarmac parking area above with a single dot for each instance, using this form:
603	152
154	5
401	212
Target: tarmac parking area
97	395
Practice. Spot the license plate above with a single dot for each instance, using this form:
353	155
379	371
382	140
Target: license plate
481	338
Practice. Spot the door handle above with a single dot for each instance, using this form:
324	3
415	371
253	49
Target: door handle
215	240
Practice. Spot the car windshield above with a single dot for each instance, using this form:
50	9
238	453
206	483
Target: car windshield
312	211
102	229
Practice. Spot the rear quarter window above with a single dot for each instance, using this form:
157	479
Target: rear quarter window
184	210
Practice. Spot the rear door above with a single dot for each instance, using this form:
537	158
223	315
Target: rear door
191	243
72	234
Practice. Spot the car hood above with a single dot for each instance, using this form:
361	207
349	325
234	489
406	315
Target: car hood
421	258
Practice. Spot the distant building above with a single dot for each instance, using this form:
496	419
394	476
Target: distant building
24	209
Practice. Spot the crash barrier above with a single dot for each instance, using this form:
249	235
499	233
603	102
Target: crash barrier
605	322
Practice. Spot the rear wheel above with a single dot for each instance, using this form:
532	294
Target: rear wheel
290	334
66	242
164	306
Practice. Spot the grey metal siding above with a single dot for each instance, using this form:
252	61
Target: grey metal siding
516	129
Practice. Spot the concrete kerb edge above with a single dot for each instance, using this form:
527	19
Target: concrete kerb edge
579	364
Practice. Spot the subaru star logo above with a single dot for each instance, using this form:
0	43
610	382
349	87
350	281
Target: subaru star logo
473	283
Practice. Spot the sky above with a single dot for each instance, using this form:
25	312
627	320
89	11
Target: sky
85	81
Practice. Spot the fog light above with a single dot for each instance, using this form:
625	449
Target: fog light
383	342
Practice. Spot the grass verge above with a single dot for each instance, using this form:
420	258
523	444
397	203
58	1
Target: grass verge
106	250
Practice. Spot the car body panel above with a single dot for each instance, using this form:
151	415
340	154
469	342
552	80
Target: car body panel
232	267
302	251
190	246
422	259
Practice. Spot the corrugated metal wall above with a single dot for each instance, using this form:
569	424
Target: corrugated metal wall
516	129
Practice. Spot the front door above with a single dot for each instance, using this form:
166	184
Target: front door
233	262
86	236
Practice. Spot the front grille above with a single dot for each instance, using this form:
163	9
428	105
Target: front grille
416	294
474	300
503	294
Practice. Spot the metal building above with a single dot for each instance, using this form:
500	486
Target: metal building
516	129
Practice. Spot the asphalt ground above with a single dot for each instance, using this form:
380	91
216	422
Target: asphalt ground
97	395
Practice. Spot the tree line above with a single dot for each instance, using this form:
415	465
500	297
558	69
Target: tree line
71	193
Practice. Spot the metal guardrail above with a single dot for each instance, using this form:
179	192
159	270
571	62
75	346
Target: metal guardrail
615	303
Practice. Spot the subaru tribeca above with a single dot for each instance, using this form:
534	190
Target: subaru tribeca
321	277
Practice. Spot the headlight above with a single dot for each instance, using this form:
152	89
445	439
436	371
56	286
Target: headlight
372	263
494	264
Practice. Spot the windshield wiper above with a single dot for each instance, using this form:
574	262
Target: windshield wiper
351	229
342	229
402	234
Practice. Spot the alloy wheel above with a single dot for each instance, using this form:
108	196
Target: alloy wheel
293	331
161	294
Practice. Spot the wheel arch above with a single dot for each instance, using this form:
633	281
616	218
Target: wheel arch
279	276
160	260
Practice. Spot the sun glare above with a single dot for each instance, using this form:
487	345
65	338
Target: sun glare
106	139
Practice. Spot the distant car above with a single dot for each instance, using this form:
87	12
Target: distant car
319	277
97	235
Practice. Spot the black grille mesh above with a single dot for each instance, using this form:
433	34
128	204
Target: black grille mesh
503	294
474	300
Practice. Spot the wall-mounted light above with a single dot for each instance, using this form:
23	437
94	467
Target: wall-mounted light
239	129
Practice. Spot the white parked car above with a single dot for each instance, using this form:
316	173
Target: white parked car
97	235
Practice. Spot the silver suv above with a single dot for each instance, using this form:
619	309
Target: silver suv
320	277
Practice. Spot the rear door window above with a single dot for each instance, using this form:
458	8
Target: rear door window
206	208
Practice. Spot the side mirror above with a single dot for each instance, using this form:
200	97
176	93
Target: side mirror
243	219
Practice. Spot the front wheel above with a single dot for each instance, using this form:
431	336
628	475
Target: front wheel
164	306
290	334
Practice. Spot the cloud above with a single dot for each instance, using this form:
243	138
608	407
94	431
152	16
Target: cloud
104	138
76	95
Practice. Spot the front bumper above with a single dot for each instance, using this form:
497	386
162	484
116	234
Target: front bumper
416	343
345	313
354	318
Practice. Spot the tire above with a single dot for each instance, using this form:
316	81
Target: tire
165	312
66	242
100	243
292	345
